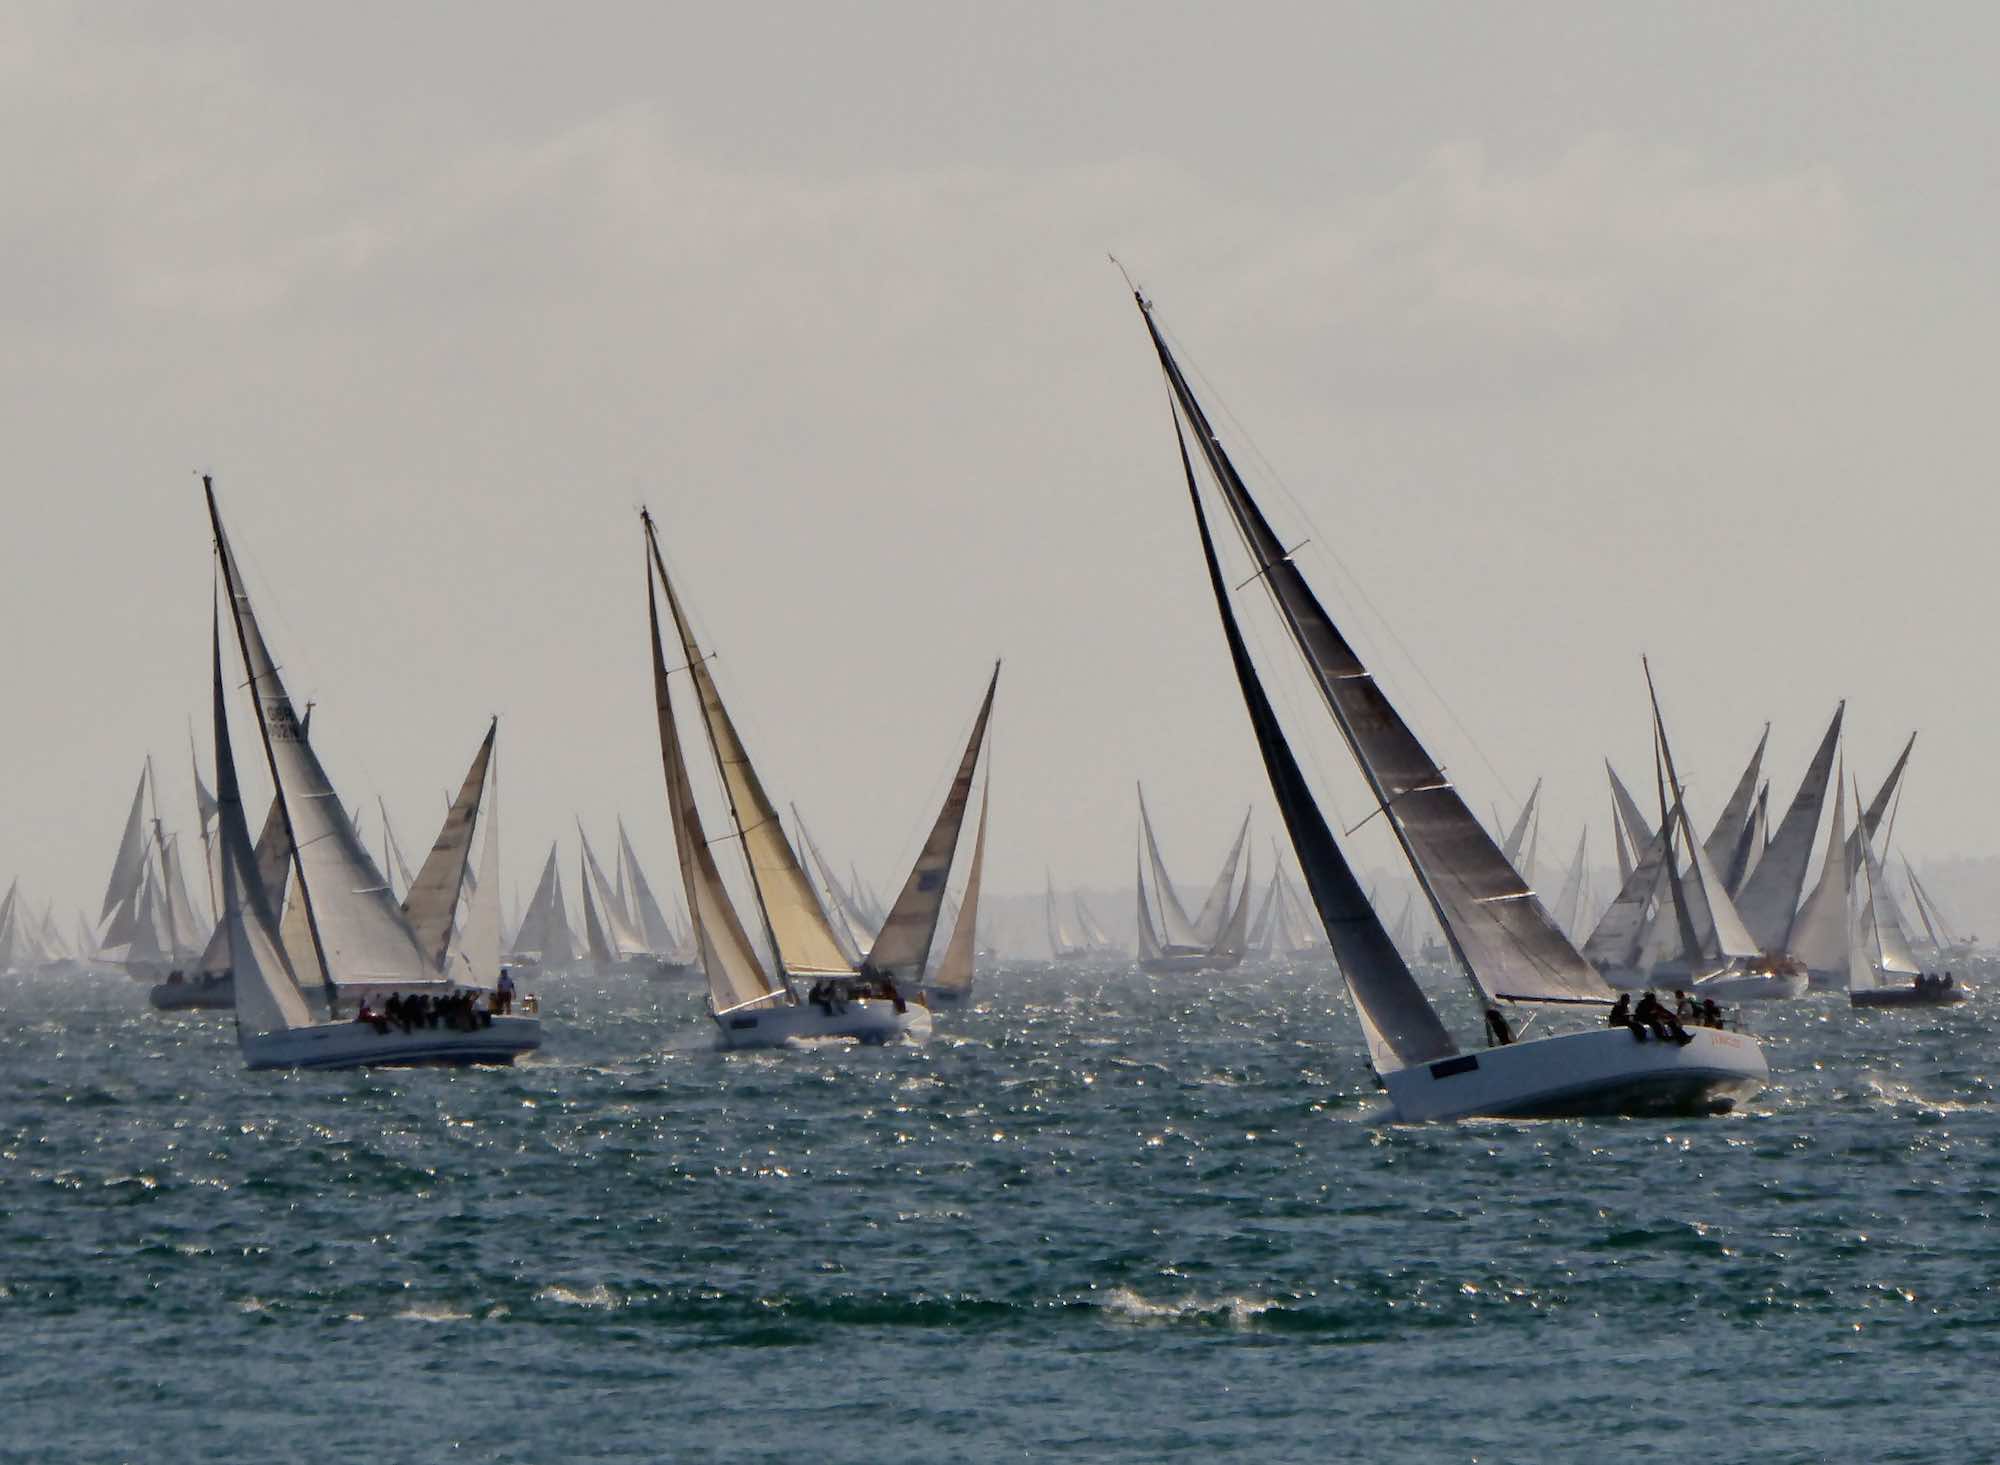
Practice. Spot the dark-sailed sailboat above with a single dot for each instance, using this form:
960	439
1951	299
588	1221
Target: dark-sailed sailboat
1501	939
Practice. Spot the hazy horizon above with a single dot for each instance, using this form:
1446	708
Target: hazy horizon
1570	334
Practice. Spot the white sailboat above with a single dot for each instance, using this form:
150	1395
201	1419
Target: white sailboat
359	937
1503	940
669	953
752	1006
1213	940
1883	970
544	942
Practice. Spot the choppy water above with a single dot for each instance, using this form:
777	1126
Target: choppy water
1107	1219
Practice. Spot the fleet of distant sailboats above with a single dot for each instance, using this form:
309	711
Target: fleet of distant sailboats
331	959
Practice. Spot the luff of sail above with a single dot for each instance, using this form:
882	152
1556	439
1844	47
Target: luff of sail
798	928
736	978
908	929
359	934
1504	939
123	886
1402	1027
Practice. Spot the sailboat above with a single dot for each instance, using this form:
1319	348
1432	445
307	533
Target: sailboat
1064	947
356	935
1213	940
1883	971
1504	943
752	1006
544	942
669	951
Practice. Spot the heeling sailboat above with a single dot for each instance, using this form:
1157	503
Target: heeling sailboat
1503	940
750	1006
1064	947
359	936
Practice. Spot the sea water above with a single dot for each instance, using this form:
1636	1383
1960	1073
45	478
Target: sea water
1098	1217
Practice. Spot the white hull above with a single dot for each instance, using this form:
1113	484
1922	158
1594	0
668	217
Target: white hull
203	993
358	1045
1601	1071
1752	987
862	1020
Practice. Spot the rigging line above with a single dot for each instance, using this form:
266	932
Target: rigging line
1383	622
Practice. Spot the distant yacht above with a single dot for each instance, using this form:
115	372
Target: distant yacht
1504	942
1169	940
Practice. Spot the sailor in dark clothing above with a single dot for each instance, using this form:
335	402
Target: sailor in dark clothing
1664	1024
1498	1034
1621	1016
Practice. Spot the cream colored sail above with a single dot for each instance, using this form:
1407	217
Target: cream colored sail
735	977
432	904
805	943
912	921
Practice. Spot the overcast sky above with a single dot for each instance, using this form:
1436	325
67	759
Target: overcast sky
1567	332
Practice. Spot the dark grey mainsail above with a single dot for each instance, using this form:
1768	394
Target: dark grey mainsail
1394	1011
1505	941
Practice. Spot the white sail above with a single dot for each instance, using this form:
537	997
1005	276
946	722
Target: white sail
596	943
1061	942
1638	832
394	865
735	977
1235	934
1216	909
1150	946
907	931
1570	899
545	929
356	926
797	926
1511	847
1756	839
1094	938
660	937
1175	927
1892	943
621	938
1504	938
10	928
1723	840
432	904
266	991
122	889
851	928
1616	944
955	968
1823	931
273	858
1770	897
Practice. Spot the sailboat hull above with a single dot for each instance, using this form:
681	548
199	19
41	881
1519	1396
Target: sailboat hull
204	992
1907	996
358	1045
1604	1072
861	1020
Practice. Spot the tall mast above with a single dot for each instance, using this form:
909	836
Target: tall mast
238	597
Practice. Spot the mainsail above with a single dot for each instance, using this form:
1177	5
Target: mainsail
907	931
1504	939
954	969
1175	926
545	927
358	933
1770	897
735	977
432	904
1822	933
1401	1026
